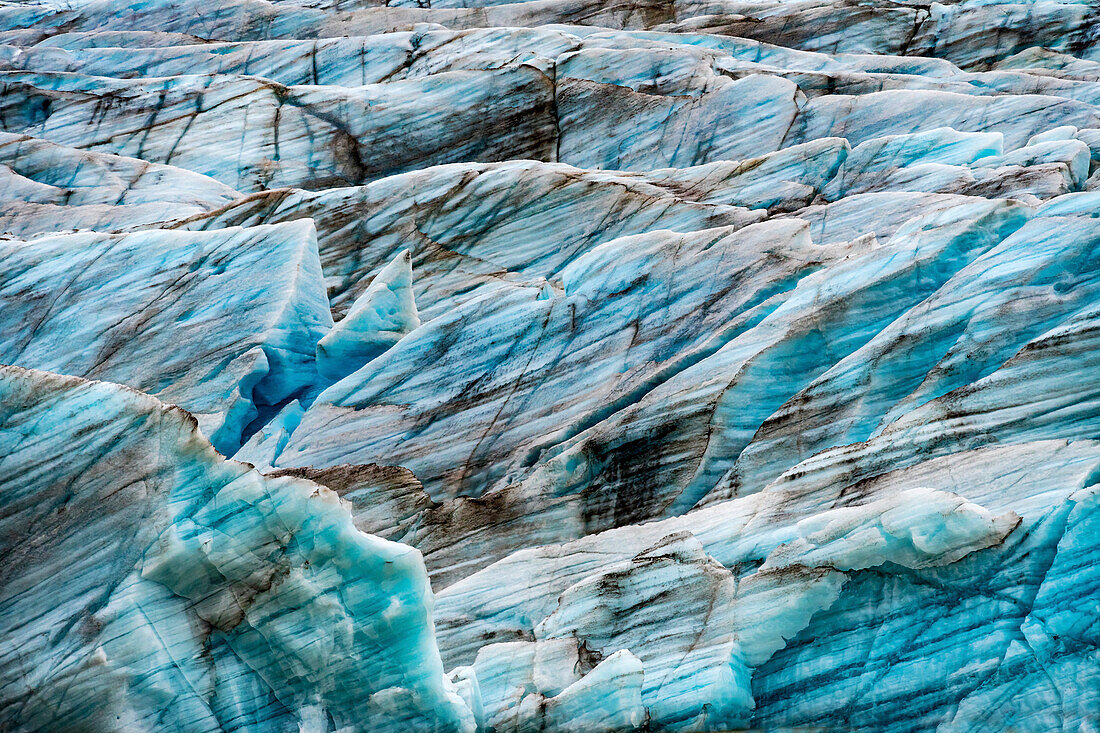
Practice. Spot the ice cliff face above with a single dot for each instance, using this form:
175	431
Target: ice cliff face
561	365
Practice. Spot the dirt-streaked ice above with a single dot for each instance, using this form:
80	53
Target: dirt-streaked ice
543	366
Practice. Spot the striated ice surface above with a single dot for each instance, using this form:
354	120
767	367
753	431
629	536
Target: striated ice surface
549	366
222	323
197	589
376	321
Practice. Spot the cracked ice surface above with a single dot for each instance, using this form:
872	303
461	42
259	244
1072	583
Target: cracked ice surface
560	365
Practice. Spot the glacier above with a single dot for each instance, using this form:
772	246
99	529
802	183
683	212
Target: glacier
486	366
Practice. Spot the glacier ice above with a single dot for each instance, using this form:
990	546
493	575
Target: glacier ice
197	585
377	320
49	187
144	309
549	365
